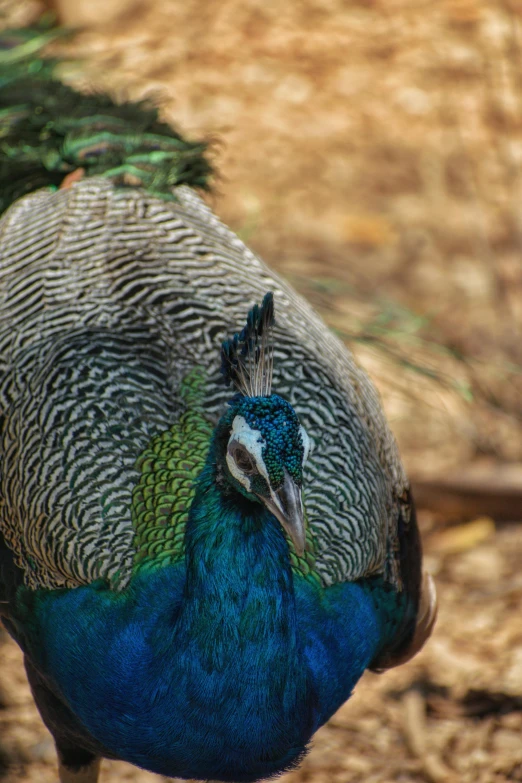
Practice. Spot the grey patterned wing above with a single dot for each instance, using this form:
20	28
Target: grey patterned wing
98	258
82	408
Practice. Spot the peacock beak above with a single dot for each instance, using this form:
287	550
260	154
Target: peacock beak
287	506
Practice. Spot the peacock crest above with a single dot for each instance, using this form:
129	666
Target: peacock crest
247	359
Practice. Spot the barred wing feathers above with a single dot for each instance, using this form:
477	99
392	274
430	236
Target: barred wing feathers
109	297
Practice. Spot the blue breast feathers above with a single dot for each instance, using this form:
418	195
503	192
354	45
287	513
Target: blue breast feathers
225	669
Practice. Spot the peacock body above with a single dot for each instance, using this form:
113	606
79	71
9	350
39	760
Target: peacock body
197	577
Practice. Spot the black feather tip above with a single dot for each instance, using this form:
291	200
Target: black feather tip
247	358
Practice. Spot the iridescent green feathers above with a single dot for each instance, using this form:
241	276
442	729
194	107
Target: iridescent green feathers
49	130
169	469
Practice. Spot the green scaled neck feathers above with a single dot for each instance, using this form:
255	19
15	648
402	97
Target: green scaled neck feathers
50	132
169	468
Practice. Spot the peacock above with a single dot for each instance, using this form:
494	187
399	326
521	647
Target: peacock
206	532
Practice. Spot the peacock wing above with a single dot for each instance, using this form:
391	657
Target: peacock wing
116	279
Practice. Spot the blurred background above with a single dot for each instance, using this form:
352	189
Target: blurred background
371	152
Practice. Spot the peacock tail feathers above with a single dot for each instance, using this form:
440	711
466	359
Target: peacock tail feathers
19	50
49	131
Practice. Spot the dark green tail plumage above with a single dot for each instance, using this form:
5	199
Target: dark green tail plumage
49	130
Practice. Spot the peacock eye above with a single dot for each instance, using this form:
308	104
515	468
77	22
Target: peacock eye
244	461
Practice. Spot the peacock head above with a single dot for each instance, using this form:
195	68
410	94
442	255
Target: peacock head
266	446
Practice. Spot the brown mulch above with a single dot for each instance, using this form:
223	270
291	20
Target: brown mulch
370	150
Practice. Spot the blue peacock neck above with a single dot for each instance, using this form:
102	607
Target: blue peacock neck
238	575
238	621
202	674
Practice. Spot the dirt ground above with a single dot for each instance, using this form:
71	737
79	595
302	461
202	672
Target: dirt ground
370	150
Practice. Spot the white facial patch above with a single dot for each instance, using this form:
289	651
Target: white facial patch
253	442
307	443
